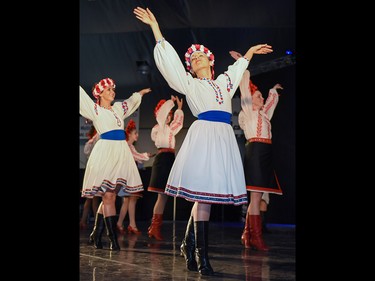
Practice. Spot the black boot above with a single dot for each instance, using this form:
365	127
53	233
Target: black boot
96	234
110	224
188	246
201	248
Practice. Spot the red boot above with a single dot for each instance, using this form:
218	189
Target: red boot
245	238
154	228
256	239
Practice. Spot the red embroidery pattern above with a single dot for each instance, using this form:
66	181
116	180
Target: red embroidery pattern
270	104
229	82
259	125
125	107
170	139
218	94
177	122
268	127
117	119
96	108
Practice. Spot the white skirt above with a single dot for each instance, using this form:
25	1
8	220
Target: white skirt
111	167
208	167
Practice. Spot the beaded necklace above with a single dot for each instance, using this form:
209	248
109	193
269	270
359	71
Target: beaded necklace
117	119
219	95
114	113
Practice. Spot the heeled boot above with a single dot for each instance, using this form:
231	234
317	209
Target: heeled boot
188	246
256	239
201	248
110	224
245	238
97	232
155	227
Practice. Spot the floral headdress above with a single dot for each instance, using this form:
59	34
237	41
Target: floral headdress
99	87
252	88
157	107
130	127
199	48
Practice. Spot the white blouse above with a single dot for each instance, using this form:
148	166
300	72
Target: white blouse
110	119
163	134
201	94
256	123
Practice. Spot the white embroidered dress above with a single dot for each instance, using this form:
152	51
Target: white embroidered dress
111	162
208	167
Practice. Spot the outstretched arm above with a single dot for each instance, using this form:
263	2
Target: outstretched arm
144	91
148	17
277	86
178	118
272	100
179	102
260	49
235	55
257	49
131	104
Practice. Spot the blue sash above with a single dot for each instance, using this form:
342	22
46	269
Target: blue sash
114	135
215	116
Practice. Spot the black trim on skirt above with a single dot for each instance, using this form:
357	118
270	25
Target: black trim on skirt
258	166
160	169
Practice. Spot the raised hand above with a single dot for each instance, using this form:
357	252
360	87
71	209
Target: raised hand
146	16
145	91
278	86
179	102
261	49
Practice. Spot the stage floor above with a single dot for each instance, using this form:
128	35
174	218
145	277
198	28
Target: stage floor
143	258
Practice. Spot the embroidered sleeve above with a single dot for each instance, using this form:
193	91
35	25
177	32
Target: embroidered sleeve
271	102
241	120
229	82
246	99
234	75
154	132
128	106
171	68
163	112
138	157
178	121
86	105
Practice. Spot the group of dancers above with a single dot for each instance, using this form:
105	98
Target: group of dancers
208	168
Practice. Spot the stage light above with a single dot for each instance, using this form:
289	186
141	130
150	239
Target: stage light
143	67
